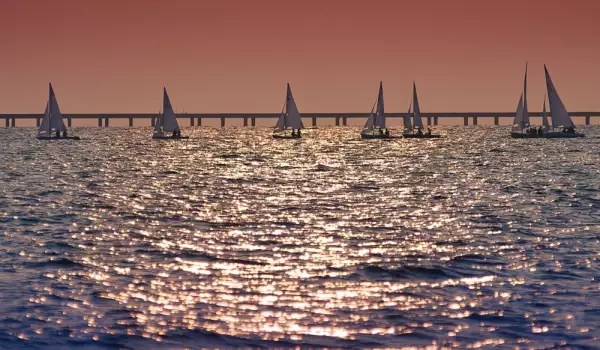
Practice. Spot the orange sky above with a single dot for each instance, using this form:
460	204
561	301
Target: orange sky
237	55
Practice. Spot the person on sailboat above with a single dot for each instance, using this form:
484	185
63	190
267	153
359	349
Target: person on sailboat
419	131
298	133
57	133
387	132
65	133
540	131
380	131
428	131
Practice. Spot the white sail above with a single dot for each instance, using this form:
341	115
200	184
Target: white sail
518	116
371	120
280	126
418	123
407	123
44	128
545	124
169	120
56	120
292	118
380	113
558	112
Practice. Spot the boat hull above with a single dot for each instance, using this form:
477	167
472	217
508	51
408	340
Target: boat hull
425	136
518	135
286	137
51	138
170	137
377	136
548	135
563	135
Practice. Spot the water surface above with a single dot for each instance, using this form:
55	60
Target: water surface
232	239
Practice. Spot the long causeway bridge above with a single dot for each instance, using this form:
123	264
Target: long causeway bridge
249	119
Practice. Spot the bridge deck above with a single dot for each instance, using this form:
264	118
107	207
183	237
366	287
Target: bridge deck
276	115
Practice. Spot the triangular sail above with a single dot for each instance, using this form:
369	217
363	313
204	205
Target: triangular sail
169	119
56	121
371	120
293	119
280	126
518	121
418	123
407	123
518	115
545	124
558	112
380	114
45	125
525	118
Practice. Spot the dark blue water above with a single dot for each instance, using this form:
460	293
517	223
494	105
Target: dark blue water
232	239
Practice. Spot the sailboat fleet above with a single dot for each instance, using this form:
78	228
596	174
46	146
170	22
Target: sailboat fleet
562	124
289	123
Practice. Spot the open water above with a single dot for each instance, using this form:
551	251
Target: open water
233	239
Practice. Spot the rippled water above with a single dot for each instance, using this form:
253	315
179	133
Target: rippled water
234	239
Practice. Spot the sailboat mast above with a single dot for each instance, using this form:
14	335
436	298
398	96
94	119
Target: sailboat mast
49	109
525	112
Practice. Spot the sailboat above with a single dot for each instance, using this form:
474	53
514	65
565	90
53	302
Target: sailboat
375	127
558	113
415	131
165	126
53	126
521	127
289	119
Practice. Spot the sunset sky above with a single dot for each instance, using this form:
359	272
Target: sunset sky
237	55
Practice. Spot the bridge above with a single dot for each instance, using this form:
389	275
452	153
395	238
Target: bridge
249	119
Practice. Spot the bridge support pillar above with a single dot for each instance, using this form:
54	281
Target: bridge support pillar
191	121
37	122
496	120
314	122
222	122
337	121
13	122
587	120
245	121
152	121
7	122
69	122
252	122
344	121
435	120
100	122
474	120
199	121
106	122
466	121
130	122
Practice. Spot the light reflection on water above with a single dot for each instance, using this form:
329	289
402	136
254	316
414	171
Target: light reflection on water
235	239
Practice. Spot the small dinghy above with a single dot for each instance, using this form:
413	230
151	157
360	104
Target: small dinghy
558	114
415	130
289	119
375	127
521	128
166	126
53	126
